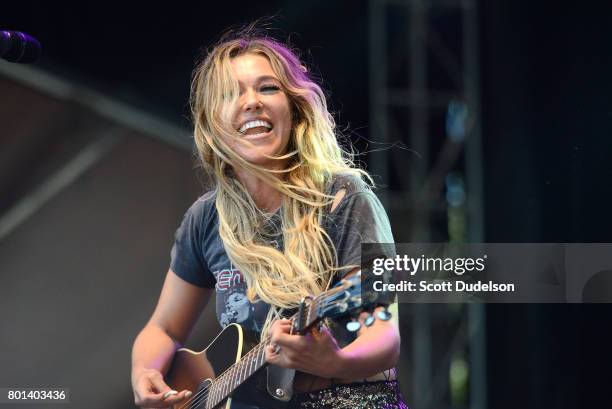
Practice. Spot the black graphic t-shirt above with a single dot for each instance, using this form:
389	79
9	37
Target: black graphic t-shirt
198	255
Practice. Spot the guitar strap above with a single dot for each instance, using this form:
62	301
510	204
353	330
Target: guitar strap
280	382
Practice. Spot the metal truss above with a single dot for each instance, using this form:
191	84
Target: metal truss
425	98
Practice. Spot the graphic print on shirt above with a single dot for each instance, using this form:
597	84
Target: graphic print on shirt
233	305
237	309
228	278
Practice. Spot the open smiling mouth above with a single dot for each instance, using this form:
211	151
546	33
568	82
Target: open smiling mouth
256	128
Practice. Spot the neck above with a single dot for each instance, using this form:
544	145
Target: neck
265	196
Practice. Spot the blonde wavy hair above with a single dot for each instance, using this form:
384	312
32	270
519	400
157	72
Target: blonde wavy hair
308	262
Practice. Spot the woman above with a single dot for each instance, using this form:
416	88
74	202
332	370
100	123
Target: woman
285	221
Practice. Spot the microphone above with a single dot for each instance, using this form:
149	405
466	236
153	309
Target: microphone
19	47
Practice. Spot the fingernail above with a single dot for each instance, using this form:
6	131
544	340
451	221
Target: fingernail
169	393
188	394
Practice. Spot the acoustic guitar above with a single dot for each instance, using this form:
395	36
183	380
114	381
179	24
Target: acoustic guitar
230	367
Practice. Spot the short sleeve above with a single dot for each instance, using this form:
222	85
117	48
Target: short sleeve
186	258
360	218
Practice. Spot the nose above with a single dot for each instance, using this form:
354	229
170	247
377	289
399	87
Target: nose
251	101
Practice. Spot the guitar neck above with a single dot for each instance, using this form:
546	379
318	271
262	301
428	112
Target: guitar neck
226	383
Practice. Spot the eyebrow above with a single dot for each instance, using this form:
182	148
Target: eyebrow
263	78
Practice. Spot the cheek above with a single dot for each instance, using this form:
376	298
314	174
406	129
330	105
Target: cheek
230	142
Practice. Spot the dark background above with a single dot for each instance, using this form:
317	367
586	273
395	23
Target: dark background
547	127
546	115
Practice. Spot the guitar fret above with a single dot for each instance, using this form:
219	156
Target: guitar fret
251	364
221	388
262	353
215	394
240	378
261	357
243	369
225	386
211	395
238	373
230	378
235	375
229	382
227	379
217	391
248	365
255	357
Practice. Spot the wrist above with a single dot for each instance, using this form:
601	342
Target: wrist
137	373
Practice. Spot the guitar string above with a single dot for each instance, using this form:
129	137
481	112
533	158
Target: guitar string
320	300
202	394
204	391
323	300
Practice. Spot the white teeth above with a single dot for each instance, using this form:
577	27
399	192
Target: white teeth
252	124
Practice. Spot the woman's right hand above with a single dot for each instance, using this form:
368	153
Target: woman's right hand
150	391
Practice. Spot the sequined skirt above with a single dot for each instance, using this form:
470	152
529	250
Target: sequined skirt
370	395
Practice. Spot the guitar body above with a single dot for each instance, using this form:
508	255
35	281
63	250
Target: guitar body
229	370
195	371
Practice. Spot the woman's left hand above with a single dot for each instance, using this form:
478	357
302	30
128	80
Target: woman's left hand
316	353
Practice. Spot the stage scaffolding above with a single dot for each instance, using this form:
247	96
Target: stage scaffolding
426	153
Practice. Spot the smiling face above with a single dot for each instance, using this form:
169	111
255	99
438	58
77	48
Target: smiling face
262	113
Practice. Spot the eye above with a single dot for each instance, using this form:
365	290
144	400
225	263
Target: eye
269	88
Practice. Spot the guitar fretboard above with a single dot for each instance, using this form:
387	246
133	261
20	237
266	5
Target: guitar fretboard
226	383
